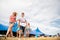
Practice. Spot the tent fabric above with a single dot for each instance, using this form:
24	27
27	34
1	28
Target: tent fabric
36	32
5	28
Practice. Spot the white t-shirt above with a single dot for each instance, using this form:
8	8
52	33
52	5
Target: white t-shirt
23	21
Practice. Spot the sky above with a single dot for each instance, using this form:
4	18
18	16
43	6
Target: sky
44	14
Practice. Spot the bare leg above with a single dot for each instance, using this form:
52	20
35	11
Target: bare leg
8	32
20	32
11	34
27	33
17	33
9	29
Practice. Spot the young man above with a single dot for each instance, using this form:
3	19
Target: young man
22	21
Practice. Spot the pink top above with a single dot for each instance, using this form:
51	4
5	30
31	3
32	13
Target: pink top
12	18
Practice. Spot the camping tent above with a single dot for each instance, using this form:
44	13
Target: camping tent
36	32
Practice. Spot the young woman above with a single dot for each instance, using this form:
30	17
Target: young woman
27	29
12	20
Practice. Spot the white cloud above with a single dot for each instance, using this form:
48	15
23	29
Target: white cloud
38	12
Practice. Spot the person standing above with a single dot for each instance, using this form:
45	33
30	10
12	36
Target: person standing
23	22
27	29
12	20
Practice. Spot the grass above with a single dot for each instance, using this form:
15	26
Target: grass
31	38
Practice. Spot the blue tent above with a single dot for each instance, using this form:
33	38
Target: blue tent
5	28
36	32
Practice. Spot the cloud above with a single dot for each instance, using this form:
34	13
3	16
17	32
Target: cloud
43	14
55	23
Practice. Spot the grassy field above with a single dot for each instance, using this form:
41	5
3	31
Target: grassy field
31	38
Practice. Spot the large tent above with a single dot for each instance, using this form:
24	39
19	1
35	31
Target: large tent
36	32
5	28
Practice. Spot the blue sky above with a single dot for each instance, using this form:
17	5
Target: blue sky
43	14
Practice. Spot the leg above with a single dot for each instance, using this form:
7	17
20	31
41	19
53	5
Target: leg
9	29
23	29
20	32
17	33
8	32
11	34
27	33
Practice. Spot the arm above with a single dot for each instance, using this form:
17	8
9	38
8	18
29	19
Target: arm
19	23
26	22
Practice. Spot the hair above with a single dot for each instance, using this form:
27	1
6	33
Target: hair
14	13
28	23
23	13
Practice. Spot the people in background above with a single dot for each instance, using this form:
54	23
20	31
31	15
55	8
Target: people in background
12	20
27	29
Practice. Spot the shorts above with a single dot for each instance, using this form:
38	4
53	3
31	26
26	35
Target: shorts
11	23
27	29
23	28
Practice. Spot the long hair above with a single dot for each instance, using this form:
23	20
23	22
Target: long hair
14	13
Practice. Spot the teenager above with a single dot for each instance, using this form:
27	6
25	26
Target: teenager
22	22
12	20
